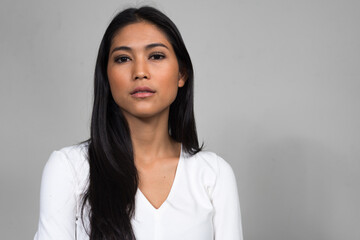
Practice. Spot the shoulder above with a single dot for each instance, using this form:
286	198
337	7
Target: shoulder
73	155
69	162
210	161
208	168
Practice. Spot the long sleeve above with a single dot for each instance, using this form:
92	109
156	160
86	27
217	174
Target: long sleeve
57	200
225	199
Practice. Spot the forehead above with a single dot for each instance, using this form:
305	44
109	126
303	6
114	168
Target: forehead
139	34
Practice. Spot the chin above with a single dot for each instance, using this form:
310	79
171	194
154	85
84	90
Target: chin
147	113
144	115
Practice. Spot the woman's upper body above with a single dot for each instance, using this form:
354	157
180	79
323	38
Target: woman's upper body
202	204
141	127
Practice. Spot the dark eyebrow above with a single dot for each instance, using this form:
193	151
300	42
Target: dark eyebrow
125	48
152	45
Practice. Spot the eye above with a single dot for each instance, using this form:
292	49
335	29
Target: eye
122	59
157	56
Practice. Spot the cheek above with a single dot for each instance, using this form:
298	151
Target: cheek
169	75
117	85
169	84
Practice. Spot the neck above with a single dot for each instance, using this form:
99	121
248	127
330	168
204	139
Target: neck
150	138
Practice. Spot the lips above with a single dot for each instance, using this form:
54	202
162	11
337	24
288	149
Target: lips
142	92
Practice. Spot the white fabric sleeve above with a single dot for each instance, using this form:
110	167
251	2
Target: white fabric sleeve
225	199
57	200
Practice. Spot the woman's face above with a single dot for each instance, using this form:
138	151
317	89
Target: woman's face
143	71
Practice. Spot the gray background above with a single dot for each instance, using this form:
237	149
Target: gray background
277	95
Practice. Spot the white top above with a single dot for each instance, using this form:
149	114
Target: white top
203	202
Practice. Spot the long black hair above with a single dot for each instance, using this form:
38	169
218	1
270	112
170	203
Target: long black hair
113	179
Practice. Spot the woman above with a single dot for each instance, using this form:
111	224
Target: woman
142	174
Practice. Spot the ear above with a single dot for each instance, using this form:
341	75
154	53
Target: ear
182	79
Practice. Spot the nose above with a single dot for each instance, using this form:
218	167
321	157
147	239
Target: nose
140	70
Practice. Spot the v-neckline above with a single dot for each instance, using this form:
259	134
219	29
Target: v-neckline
177	171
